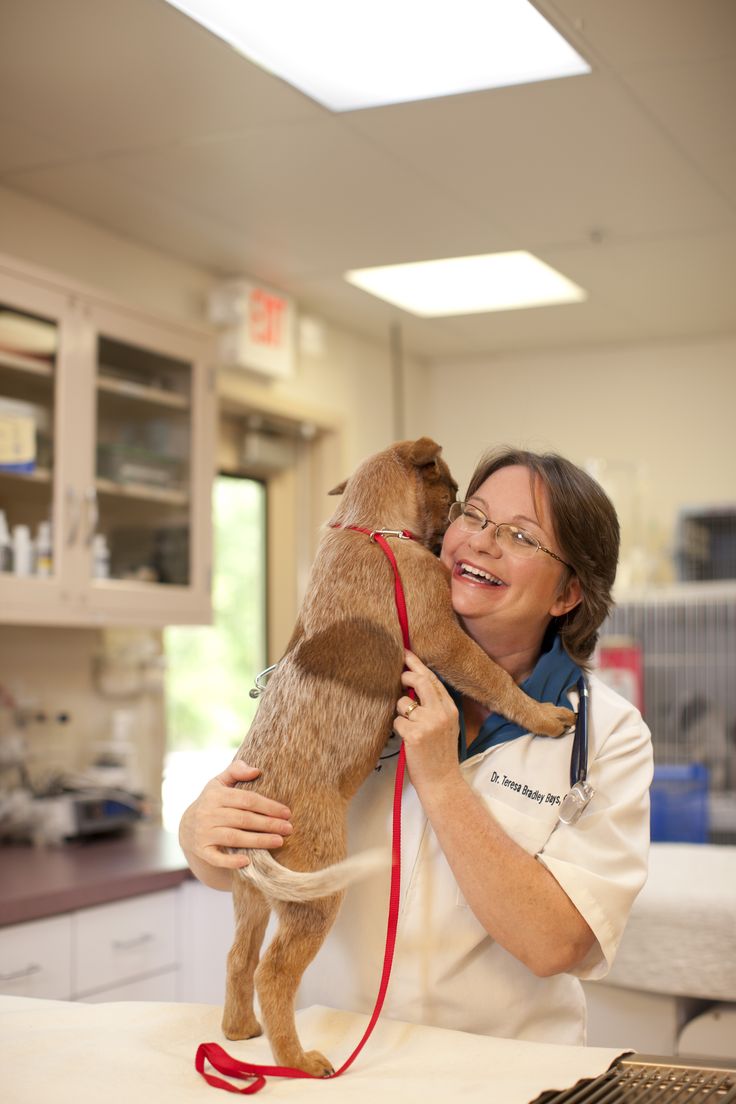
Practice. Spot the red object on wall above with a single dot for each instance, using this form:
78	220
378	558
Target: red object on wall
619	664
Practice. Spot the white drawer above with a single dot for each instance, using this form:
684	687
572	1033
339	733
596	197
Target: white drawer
35	959
120	942
159	987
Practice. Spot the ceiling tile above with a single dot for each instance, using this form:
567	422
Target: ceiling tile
552	161
696	105
22	147
110	75
682	286
323	198
632	32
91	191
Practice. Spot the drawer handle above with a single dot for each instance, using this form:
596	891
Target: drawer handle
131	944
27	971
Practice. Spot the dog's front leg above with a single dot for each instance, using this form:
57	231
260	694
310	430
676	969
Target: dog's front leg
251	917
467	667
302	930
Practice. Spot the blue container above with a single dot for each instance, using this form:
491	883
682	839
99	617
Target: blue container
679	796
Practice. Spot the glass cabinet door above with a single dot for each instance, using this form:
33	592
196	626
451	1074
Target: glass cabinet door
142	466
150	473
29	348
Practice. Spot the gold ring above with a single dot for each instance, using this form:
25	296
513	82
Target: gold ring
410	709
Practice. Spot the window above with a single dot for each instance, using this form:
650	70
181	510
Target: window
211	668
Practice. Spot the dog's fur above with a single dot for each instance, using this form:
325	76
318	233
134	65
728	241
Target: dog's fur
327	713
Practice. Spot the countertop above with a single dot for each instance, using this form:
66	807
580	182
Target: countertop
37	882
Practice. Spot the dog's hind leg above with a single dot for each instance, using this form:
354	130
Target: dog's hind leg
302	930
251	917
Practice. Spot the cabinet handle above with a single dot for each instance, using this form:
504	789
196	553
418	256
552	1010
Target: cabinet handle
72	499
131	944
27	971
93	514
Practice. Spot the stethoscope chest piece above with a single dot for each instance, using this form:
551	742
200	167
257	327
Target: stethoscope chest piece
575	802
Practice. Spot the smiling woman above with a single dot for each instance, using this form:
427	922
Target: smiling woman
210	669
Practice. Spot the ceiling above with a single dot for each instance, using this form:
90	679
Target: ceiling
131	116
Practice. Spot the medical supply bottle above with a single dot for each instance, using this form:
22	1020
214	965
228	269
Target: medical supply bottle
6	548
44	550
22	550
100	557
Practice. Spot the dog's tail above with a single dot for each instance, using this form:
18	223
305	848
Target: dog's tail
275	880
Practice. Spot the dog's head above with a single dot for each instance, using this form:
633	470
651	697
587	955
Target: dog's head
407	486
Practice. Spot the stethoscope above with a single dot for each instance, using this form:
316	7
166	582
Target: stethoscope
575	801
578	797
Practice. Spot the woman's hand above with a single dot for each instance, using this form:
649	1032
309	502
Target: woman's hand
225	816
429	727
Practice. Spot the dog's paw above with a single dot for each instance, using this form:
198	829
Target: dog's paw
247	1029
553	720
315	1064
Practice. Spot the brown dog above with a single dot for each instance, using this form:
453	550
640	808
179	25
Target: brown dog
327	713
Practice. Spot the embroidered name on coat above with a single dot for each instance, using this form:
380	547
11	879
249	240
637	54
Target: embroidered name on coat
539	797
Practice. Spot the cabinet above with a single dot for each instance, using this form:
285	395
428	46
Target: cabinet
127	950
122	408
36	959
126	943
204	956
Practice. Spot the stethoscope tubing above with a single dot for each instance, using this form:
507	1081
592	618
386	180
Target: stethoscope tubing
579	757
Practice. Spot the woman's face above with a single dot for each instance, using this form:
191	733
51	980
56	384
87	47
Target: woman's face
516	604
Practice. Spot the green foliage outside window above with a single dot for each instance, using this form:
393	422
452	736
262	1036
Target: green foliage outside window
211	668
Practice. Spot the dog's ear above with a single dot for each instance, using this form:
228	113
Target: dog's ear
424	451
339	488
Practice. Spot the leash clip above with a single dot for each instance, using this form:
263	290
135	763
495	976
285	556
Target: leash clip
261	681
400	533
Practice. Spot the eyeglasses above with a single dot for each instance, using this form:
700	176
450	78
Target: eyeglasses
512	539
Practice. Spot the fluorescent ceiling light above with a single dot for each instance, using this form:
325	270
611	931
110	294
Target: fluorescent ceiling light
346	54
469	285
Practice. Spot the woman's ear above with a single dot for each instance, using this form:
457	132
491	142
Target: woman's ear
570	597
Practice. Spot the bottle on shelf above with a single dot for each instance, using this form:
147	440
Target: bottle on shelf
6	548
44	550
22	550
100	557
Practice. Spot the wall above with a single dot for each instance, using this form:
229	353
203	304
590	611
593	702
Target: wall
657	420
51	673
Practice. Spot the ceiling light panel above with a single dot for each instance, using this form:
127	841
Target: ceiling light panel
348	55
468	285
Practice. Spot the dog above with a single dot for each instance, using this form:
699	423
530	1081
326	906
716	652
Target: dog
326	714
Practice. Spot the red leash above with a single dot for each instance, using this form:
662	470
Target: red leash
217	1057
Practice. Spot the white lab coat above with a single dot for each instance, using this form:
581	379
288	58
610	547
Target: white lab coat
448	971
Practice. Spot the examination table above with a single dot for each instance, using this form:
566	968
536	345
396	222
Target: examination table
136	1053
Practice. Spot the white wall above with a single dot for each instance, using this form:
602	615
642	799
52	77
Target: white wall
658	418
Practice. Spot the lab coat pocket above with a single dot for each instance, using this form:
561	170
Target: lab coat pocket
530	830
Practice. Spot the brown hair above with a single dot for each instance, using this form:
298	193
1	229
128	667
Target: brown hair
586	530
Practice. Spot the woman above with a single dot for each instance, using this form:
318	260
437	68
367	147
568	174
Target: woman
504	906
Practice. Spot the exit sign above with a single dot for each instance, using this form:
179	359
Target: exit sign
259	325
